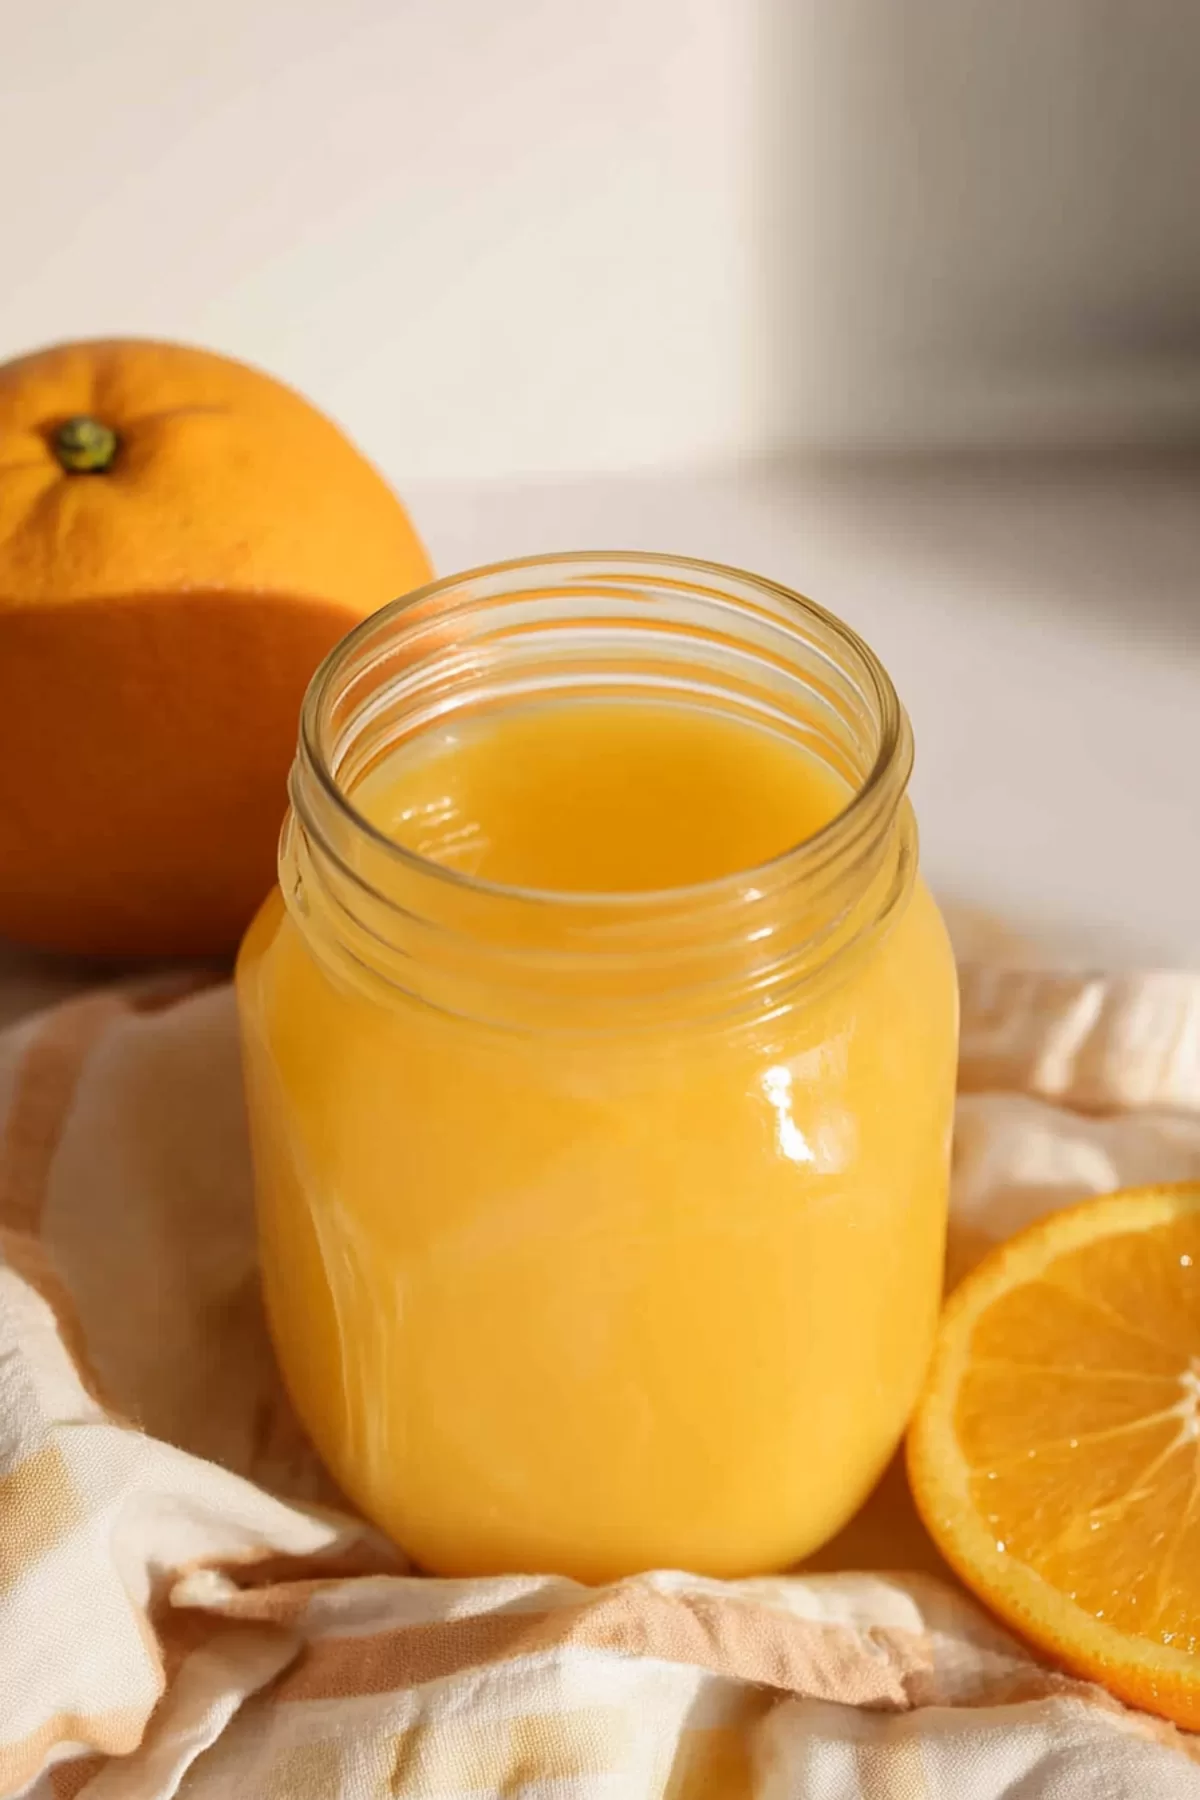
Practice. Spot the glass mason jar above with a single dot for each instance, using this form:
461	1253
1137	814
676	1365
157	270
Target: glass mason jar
602	1231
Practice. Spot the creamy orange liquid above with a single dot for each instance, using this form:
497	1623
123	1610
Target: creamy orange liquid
602	797
596	1303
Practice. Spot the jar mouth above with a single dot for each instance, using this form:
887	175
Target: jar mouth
738	947
876	791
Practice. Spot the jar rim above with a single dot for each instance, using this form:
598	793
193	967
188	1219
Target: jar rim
879	791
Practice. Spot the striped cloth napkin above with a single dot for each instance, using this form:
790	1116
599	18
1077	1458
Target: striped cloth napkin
185	1610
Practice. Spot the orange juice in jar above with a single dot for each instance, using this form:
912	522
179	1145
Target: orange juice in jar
600	1053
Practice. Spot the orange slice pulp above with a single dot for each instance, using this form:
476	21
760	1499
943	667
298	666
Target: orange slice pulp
1055	1453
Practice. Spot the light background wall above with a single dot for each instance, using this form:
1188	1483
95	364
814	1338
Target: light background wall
506	236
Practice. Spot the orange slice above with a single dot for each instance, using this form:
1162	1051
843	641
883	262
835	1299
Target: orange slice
1055	1454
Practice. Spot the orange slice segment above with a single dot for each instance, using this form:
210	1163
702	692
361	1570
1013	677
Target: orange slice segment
1055	1453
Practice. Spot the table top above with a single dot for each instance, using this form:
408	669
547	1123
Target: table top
1041	620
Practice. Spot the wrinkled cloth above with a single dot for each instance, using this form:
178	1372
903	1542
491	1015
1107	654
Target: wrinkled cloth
186	1608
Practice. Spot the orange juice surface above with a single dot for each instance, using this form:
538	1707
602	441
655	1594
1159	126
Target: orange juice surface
600	1300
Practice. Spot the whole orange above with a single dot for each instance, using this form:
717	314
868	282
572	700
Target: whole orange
182	538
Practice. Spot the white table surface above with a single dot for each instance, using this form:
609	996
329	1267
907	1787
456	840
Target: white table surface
1041	620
